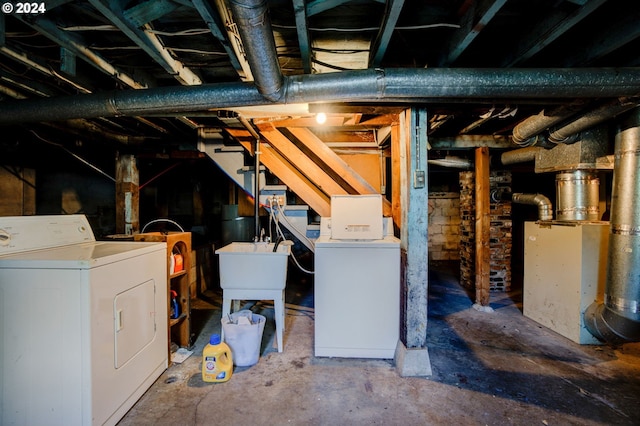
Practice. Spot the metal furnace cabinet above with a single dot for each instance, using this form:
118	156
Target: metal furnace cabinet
564	272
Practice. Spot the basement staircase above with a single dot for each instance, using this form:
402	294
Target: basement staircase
230	159
304	164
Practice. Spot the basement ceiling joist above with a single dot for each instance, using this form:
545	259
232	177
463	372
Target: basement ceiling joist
96	46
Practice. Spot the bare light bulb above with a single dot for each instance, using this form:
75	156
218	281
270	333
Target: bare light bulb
321	118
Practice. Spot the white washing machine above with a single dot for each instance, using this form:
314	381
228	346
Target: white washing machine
83	323
357	281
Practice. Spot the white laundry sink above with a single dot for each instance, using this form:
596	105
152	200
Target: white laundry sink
245	265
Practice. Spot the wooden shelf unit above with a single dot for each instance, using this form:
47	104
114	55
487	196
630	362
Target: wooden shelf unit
177	243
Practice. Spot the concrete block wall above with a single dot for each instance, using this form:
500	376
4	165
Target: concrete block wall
444	226
500	238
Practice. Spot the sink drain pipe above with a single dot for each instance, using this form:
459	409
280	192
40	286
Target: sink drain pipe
256	174
617	320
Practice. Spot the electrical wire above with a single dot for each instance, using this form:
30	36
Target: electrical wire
354	30
77	157
190	32
162	220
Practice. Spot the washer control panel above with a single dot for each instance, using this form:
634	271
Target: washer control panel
25	233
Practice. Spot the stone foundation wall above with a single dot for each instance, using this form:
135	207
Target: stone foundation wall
444	226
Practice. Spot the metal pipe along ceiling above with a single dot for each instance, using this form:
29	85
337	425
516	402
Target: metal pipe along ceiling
371	85
254	26
562	127
618	318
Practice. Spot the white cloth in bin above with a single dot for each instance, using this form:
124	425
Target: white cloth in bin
244	340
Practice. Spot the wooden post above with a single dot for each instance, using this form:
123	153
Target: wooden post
483	253
393	181
127	195
414	228
412	354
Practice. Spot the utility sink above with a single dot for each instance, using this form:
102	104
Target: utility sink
246	265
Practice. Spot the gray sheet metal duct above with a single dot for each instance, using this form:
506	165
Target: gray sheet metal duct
371	85
618	318
545	208
254	26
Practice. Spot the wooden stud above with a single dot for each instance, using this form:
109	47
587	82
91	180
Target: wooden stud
127	195
483	253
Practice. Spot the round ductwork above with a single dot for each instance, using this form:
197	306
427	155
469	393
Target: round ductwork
618	319
577	195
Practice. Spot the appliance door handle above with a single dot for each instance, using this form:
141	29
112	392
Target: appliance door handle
119	324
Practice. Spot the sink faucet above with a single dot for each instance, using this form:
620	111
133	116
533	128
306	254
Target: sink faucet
277	243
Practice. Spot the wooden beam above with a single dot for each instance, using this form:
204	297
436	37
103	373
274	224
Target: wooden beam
212	19
301	161
337	164
414	240
286	172
380	120
483	253
130	23
127	195
361	137
332	120
389	20
556	24
396	135
300	11
473	22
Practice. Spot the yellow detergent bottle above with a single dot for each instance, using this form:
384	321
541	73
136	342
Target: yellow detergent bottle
217	365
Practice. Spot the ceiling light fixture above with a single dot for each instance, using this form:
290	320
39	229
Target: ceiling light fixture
321	118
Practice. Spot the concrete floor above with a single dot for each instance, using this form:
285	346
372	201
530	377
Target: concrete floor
495	368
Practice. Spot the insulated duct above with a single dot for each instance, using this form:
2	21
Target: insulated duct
521	155
545	209
370	85
452	162
618	318
524	134
564	133
254	26
528	132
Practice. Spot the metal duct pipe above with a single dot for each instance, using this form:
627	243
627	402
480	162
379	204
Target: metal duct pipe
618	318
254	26
564	133
545	209
577	195
521	155
524	134
453	162
370	85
